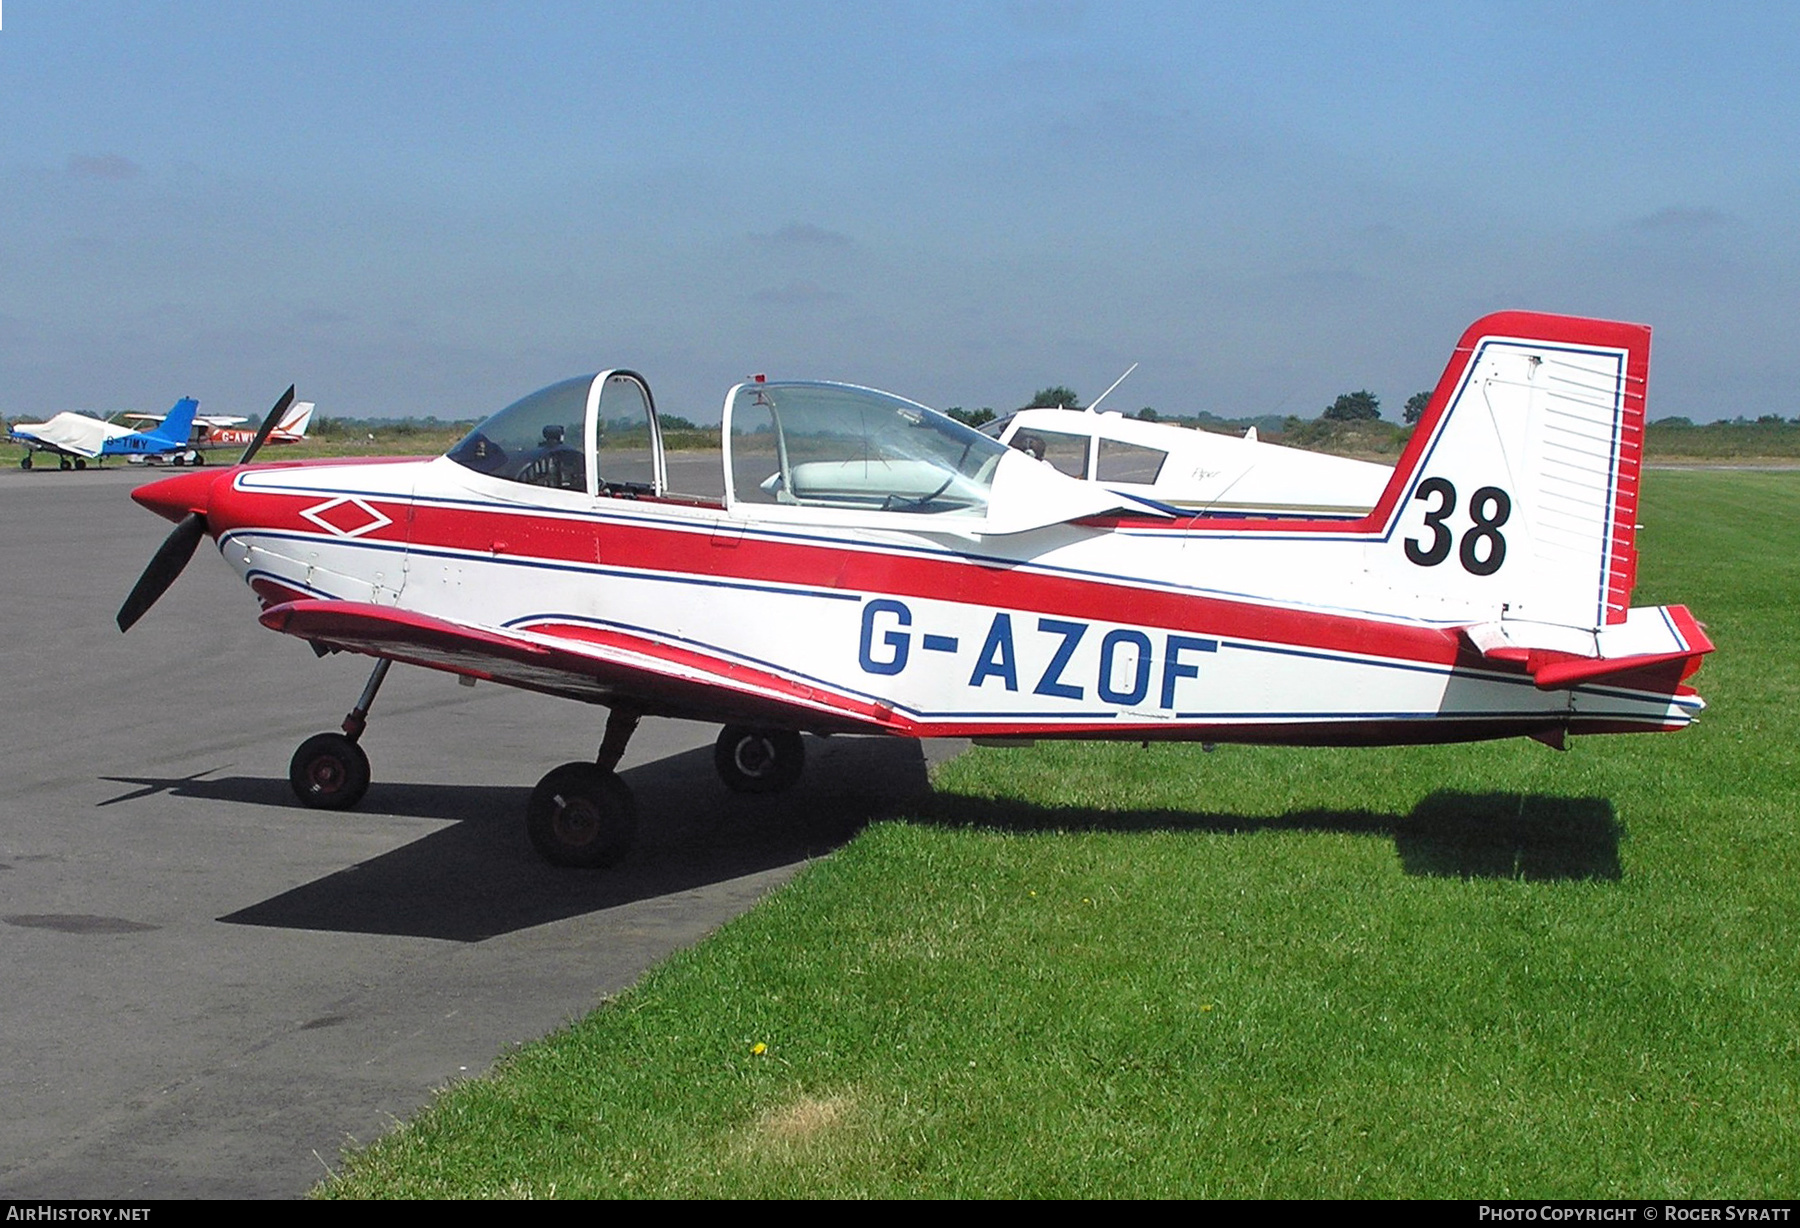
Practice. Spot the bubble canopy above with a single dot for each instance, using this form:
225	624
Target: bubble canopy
840	446
594	434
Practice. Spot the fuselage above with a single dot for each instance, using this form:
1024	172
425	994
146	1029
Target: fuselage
1107	627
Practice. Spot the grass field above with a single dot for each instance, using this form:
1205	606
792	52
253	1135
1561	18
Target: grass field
1084	970
1088	970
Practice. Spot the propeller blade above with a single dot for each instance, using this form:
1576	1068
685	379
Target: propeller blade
268	424
165	565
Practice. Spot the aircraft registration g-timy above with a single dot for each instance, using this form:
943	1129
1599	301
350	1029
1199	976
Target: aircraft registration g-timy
76	439
874	567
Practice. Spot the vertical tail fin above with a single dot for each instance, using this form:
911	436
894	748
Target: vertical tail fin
1518	492
296	420
175	428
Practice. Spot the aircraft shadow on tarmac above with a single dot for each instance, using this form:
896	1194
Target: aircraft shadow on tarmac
480	877
1539	837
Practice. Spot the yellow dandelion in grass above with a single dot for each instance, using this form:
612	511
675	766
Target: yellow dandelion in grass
758	1049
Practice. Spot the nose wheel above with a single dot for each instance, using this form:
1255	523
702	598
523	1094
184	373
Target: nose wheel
329	772
758	760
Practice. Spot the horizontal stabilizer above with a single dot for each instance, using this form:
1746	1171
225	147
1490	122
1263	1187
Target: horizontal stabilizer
1560	657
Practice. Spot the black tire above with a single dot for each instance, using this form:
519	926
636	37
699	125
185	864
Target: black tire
81	462
329	772
582	816
758	760
199	459
25	461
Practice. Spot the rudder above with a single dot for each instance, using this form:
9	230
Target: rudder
1518	492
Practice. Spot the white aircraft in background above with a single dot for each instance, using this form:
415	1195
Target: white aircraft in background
1195	470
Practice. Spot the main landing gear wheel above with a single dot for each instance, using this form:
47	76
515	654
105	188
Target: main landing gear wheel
582	815
25	461
758	760
329	772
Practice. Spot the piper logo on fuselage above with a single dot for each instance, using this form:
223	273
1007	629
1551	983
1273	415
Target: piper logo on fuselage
1122	671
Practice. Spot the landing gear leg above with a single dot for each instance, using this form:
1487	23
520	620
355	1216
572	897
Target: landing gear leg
621	723
357	719
330	771
582	814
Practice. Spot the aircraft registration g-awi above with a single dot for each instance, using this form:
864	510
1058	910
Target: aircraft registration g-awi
875	567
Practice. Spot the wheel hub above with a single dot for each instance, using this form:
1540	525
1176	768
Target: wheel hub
577	821
755	756
326	775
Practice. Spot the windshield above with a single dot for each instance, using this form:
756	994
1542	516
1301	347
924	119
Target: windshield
536	440
835	445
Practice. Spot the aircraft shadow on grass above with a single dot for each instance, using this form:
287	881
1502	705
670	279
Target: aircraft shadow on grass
478	877
1531	836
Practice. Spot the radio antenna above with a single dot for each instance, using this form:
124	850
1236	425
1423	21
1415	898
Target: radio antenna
1108	392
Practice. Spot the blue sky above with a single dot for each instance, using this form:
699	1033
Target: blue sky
436	208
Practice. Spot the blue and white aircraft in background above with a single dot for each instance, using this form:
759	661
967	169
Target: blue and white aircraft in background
75	439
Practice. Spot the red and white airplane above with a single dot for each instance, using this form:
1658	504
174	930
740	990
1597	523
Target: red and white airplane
874	567
228	431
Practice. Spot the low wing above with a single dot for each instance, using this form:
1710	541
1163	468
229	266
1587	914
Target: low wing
594	664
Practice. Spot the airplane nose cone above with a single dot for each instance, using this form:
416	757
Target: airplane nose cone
174	498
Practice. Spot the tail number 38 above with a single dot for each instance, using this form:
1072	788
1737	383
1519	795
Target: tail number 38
1483	549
